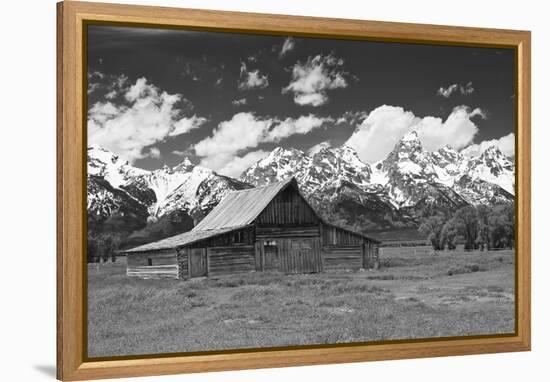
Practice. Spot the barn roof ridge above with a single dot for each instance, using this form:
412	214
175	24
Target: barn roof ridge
242	207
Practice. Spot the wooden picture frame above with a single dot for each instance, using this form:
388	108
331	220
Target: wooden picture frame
72	363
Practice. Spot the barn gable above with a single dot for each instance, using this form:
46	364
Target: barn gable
288	207
240	208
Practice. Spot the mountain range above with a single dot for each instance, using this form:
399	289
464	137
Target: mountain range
394	193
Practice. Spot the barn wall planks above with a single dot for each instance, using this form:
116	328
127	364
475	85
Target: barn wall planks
258	255
242	236
334	235
183	263
299	255
289	208
292	231
271	258
158	264
154	272
372	256
342	257
230	260
198	263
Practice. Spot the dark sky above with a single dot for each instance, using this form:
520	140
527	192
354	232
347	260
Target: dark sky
205	68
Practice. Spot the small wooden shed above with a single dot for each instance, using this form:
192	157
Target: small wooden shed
269	228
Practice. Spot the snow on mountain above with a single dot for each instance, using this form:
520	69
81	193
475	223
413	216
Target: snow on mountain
183	187
105	200
331	167
397	191
278	165
326	167
197	190
111	167
493	167
410	174
410	180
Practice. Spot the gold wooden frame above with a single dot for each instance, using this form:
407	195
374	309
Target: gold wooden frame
72	363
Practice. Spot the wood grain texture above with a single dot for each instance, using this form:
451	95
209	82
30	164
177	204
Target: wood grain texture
72	362
165	264
342	257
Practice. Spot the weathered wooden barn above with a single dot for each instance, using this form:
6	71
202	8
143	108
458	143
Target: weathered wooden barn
270	228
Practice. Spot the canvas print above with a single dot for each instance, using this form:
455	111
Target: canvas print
250	191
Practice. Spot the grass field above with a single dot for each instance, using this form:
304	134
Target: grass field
415	294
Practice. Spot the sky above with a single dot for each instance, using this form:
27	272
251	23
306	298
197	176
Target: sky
225	100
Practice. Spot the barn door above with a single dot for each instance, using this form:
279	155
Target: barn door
271	253
303	256
197	262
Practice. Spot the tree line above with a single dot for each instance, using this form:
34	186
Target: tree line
480	227
107	236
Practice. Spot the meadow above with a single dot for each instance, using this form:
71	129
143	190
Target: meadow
416	293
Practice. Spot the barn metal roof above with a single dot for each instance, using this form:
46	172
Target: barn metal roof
351	231
241	207
182	239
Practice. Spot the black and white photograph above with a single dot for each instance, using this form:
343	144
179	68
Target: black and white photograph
255	191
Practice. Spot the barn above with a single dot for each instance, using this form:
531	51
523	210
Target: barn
269	228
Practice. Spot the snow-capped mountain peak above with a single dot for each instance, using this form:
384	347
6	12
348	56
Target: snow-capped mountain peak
494	167
184	166
408	148
280	164
183	187
104	163
406	185
410	179
411	136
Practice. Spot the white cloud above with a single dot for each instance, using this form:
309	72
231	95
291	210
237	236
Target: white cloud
180	153
312	99
318	147
185	125
102	112
252	79
244	131
107	82
290	126
311	80
141	89
352	117
236	165
238	102
147	116
506	145
449	90
288	45
154	152
467	89
95	74
458	130
93	86
112	94
385	126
